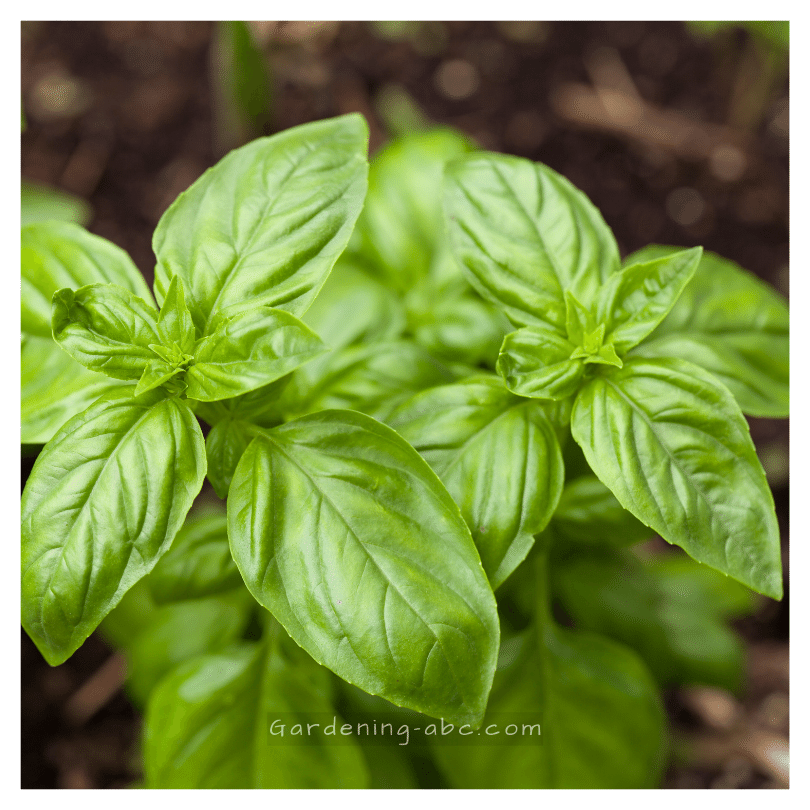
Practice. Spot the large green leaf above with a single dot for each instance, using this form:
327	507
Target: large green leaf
635	300
373	378
525	235
106	328
733	324
265	225
208	725
345	534
55	255
53	388
673	447
401	224
499	458
103	503
601	720
199	563
671	610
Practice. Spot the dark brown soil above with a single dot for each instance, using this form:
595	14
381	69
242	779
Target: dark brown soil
120	113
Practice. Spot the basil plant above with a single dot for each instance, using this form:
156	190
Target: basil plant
423	384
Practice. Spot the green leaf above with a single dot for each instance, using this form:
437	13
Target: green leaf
672	445
400	227
535	362
732	324
208	725
249	350
54	388
634	301
265	225
378	578
373	378
547	237
157	373
198	564
499	458
224	446
55	255
670	609
259	407
589	513
103	503
106	328
601	720
40	203
174	321
579	321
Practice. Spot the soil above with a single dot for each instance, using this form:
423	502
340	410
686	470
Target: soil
121	114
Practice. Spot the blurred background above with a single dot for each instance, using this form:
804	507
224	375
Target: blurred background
678	132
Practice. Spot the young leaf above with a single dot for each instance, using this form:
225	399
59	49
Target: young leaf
106	328
732	324
634	301
499	458
545	238
247	351
198	564
53	388
174	321
103	503
672	611
378	578
535	362
55	255
589	513
208	726
265	225
672	445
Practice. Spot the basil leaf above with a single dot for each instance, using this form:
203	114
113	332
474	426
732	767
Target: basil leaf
55	255
547	237
589	513
634	301
373	378
378	578
247	351
103	503
106	328
208	726
570	678
734	325
672	445
54	387
499	458
265	225
224	446
672	611
174	321
40	203
176	633
400	226
259	407
198	564
535	362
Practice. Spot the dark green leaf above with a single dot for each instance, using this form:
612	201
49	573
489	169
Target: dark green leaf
672	445
55	255
247	351
199	563
265	225
535	362
634	301
106	328
208	725
734	325
499	458
103	503
378	577
525	236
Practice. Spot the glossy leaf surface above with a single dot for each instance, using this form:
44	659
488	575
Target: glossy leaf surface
265	225
673	447
378	578
102	505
